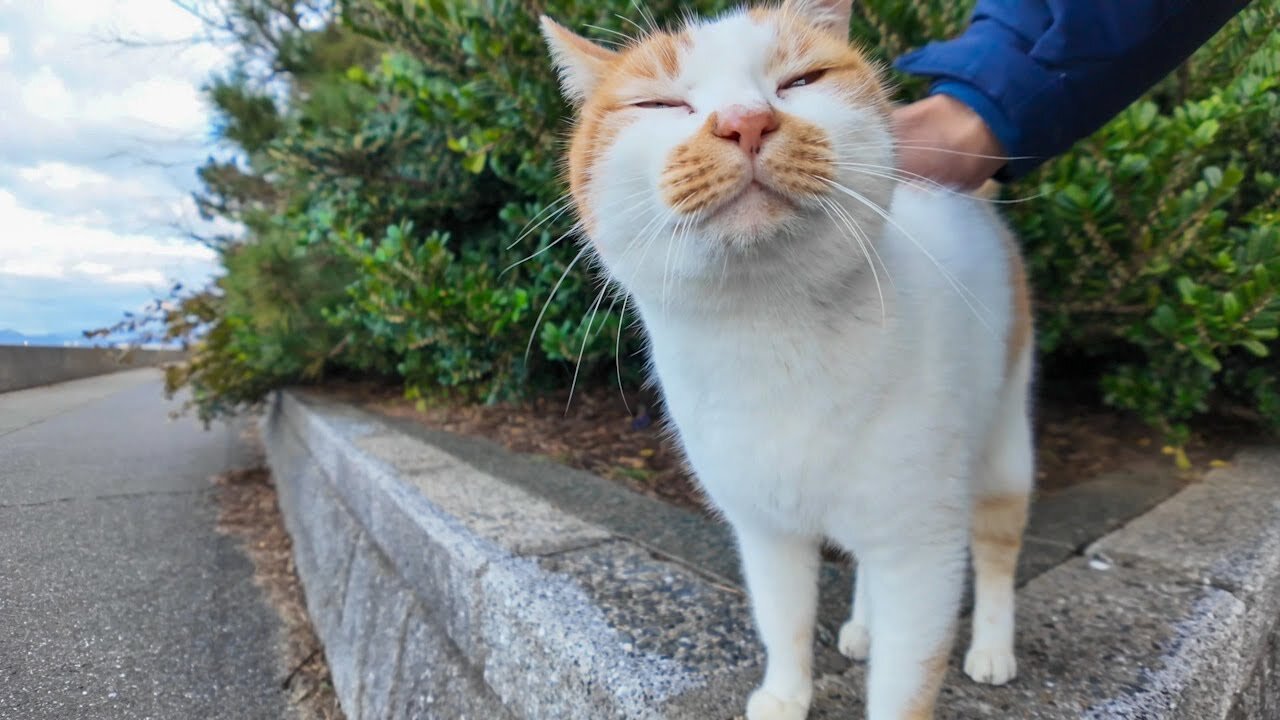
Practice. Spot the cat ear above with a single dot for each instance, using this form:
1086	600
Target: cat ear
830	15
579	62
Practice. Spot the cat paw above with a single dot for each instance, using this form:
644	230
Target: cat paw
990	666
854	641
764	705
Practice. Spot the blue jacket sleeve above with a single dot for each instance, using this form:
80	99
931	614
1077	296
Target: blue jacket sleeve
1046	73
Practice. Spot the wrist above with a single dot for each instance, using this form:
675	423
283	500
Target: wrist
975	133
980	125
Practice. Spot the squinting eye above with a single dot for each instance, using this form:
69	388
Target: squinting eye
808	78
658	104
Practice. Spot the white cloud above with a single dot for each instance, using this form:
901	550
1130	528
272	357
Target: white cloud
62	176
89	268
46	97
150	278
164	102
44	45
157	19
36	244
98	149
31	267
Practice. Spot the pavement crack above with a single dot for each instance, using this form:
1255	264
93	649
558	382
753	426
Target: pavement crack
110	496
586	544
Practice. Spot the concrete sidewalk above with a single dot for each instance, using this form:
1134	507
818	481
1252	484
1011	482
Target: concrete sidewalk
118	598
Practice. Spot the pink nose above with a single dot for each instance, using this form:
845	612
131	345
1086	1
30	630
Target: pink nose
746	126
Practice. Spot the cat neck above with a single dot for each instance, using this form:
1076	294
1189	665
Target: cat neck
818	277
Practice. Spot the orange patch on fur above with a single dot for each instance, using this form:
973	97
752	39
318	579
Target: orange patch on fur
703	171
799	158
708	170
935	668
657	57
599	119
998	522
803	48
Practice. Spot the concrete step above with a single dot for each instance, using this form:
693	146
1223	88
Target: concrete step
447	569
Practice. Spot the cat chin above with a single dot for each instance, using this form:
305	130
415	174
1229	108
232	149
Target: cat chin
757	214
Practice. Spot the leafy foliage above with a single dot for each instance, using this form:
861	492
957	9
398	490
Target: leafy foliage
446	318
388	156
1157	248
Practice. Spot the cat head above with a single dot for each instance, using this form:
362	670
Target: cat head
724	139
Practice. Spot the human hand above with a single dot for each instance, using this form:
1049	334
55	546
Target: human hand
942	139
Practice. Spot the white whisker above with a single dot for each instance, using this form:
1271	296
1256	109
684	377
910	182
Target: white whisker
582	349
866	239
964	292
680	229
829	206
935	148
529	348
927	184
643	33
626	39
576	226
612	304
724	267
646	15
530	226
617	350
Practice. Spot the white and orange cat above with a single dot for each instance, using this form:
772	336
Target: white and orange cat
845	356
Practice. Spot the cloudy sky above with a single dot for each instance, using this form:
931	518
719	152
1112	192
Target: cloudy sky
98	149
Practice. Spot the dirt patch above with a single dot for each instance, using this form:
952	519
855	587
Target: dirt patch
249	512
597	434
1076	441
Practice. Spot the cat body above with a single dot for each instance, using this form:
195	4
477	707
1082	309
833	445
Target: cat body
801	407
844	356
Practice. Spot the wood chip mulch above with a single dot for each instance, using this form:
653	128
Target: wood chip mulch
1076	441
249	512
597	434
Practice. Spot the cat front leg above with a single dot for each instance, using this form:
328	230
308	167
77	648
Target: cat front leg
914	589
782	577
1002	488
997	536
855	637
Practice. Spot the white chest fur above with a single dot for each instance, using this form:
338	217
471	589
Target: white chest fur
820	414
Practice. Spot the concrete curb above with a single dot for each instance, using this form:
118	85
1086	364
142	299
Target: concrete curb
1222	535
442	589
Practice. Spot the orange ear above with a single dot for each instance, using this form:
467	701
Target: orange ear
830	15
579	62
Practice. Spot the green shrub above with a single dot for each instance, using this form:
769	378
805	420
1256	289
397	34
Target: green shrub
443	315
1155	246
478	74
257	327
404	213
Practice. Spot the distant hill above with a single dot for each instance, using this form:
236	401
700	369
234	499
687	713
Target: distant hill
13	337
